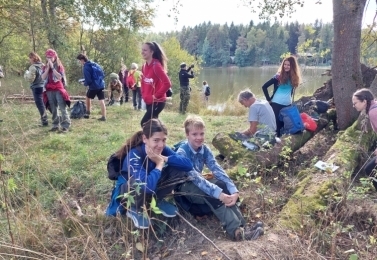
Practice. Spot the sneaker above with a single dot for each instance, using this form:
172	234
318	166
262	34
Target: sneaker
257	225
240	234
140	221
253	234
86	115
167	209
102	118
64	130
44	124
54	129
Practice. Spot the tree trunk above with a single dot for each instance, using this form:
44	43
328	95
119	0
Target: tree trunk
317	187
346	71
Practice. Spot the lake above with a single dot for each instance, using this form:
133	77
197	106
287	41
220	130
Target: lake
225	82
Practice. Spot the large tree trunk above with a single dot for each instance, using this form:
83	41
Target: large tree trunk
346	69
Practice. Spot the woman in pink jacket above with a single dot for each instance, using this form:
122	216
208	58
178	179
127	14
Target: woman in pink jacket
155	81
363	99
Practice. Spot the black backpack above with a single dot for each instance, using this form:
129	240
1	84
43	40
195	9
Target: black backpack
78	110
207	91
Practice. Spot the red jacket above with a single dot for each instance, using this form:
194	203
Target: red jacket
155	82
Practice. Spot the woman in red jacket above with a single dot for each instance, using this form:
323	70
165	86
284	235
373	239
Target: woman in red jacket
155	81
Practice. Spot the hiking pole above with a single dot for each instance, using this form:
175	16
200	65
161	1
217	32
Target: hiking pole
200	232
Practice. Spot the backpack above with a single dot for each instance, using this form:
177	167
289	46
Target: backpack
292	120
207	92
130	80
78	110
98	75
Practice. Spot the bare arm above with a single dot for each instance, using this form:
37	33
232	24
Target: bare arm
252	129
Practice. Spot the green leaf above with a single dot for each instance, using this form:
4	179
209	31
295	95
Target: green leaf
353	257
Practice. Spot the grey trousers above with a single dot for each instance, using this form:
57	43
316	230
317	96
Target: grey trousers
56	101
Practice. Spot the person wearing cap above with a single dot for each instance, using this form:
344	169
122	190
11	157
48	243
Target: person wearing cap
136	90
184	82
56	96
115	90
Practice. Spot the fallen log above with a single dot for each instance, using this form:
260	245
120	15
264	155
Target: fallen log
236	153
317	188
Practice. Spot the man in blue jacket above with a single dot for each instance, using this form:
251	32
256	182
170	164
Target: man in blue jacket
95	86
185	89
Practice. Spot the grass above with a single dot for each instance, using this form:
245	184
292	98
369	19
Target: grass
45	172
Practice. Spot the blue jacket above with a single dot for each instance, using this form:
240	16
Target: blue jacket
204	156
144	170
88	76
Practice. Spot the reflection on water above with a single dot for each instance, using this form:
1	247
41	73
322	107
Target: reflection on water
228	82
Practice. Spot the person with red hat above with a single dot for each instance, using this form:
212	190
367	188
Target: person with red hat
56	96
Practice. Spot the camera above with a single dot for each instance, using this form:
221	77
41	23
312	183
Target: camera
192	66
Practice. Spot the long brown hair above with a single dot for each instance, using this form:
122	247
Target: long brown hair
149	128
294	74
159	54
35	57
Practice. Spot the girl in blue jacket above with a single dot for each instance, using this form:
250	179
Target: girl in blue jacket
149	168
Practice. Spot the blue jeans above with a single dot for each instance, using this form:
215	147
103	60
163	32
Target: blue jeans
56	101
38	99
136	93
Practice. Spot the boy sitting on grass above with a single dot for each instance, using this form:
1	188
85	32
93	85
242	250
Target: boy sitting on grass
216	194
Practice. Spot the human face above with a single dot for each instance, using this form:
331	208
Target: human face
195	137
358	105
156	142
287	66
146	52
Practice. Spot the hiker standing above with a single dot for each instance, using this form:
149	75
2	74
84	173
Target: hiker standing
155	81
205	91
57	95
285	83
364	100
216	193
136	88
95	84
34	76
144	176
184	82
122	77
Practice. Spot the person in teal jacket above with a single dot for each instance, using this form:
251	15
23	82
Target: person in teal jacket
150	168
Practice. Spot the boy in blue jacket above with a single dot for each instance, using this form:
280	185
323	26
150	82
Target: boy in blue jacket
218	194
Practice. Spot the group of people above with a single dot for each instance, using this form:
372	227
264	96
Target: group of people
151	169
48	84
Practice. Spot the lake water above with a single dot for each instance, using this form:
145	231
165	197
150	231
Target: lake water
227	82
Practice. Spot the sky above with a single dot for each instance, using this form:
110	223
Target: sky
194	12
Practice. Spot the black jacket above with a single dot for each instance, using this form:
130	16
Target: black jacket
184	77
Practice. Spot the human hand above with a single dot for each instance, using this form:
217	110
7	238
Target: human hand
234	198
154	157
225	198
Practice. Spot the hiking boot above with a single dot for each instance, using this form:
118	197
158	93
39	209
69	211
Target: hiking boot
64	130
140	221
54	129
102	118
87	115
167	209
44	123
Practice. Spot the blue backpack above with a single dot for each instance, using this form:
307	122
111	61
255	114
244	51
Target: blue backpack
98	75
291	118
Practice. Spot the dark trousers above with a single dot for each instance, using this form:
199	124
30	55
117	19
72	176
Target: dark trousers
370	170
136	93
169	180
279	124
153	110
38	99
125	94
